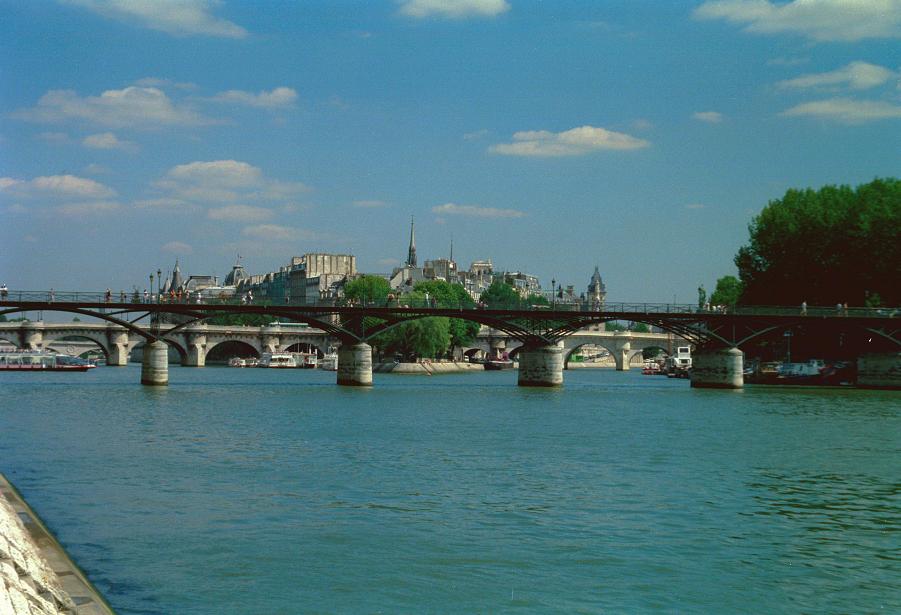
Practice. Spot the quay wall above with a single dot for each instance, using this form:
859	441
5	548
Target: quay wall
37	577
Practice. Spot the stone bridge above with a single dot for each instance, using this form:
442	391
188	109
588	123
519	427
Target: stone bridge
624	346
193	344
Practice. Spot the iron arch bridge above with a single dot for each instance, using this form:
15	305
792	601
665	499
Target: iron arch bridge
540	329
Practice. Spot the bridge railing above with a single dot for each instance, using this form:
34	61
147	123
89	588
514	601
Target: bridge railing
401	301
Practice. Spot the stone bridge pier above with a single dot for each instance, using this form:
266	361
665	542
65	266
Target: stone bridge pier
718	368
622	351
195	346
117	346
541	366
355	365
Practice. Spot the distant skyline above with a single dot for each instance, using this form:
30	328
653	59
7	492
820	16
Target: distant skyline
638	136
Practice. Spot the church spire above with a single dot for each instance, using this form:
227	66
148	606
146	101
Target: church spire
411	252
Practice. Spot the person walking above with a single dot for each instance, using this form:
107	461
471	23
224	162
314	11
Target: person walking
803	308
4	292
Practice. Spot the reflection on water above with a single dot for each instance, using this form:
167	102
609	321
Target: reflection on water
261	491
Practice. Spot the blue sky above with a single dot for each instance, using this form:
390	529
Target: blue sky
551	137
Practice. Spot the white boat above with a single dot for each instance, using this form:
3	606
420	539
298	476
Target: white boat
305	360
329	361
41	360
237	362
277	359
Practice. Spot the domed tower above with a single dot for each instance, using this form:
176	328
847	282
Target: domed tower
597	292
237	274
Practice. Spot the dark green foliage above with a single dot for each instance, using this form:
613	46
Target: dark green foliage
237	320
727	292
368	289
447	295
833	245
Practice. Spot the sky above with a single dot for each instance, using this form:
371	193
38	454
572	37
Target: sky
641	137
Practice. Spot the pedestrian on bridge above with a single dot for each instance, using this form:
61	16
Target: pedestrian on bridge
803	308
145	295
4	292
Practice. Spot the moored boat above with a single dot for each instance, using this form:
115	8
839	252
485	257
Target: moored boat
40	360
329	361
277	360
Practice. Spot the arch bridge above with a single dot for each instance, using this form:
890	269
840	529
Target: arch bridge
717	335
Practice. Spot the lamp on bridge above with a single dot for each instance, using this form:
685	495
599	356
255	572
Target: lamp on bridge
553	292
151	286
159	285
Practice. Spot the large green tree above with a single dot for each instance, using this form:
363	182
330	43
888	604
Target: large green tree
727	292
833	245
368	289
447	295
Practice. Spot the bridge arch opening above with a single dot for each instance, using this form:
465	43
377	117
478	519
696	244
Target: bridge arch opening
223	351
60	346
177	354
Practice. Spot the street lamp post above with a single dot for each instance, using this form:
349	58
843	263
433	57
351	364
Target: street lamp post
553	292
159	285
151	287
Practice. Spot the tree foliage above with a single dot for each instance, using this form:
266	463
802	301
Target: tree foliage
368	289
727	291
447	295
835	244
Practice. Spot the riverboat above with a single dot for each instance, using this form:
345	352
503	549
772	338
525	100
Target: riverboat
305	360
814	372
39	360
329	361
498	364
243	362
277	360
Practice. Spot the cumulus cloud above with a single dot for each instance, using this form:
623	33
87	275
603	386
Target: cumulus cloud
57	187
176	17
163	204
574	142
821	20
132	107
177	247
846	110
88	208
711	117
239	213
226	181
856	75
369	204
107	140
475	211
279	98
453	9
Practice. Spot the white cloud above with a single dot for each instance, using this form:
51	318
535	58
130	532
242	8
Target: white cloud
225	181
475	211
56	186
177	247
279	98
240	213
846	110
369	204
820	20
453	9
157	82
856	75
711	117
574	142
96	169
132	107
169	204
642	124
87	208
107	140
275	232
177	17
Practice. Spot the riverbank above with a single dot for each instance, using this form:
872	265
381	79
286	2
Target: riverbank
427	368
37	577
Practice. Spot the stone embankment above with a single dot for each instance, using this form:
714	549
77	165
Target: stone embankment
428	368
36	575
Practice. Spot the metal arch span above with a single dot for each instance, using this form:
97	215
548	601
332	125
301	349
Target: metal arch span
355	324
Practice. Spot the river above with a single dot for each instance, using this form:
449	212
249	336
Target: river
269	491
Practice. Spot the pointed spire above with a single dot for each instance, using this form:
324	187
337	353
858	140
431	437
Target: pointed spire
451	259
411	252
